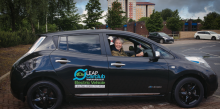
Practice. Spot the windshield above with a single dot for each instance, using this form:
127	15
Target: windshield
212	32
163	34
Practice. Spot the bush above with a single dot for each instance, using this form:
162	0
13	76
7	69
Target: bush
8	39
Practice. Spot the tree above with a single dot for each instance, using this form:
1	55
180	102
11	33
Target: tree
15	14
131	20
211	21
94	13
11	14
198	20
174	23
165	13
114	18
143	19
155	22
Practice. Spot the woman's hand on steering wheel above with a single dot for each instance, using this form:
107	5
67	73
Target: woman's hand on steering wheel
141	54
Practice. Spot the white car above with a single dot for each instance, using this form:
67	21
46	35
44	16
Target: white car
207	35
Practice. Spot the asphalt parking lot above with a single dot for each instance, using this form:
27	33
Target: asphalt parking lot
208	49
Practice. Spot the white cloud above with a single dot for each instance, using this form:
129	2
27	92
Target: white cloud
184	13
103	19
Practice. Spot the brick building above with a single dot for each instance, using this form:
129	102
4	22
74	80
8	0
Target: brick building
135	10
140	28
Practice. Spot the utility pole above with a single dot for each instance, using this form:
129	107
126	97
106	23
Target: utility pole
38	24
46	23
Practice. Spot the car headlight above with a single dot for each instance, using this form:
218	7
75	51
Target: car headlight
26	68
200	61
164	37
171	37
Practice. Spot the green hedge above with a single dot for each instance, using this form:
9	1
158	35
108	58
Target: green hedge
8	39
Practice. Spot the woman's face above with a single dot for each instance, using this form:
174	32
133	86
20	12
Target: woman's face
118	44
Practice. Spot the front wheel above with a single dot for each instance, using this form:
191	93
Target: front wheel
197	37
44	95
213	38
161	41
188	92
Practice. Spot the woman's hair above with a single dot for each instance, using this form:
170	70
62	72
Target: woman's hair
118	38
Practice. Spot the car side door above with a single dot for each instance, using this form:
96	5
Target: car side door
136	75
81	63
208	35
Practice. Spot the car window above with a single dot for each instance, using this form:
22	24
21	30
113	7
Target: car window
153	34
84	44
200	32
164	53
163	34
213	32
63	43
206	32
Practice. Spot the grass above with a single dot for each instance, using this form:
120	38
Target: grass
9	55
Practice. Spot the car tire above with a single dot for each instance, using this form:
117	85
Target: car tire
161	41
44	94
197	37
213	38
188	92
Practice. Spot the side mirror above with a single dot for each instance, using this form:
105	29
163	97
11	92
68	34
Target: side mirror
157	54
131	48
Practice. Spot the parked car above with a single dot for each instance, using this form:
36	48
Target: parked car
207	35
79	64
160	37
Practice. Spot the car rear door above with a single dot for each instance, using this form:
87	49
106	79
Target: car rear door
81	63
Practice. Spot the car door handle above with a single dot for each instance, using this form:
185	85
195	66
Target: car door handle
117	64
63	61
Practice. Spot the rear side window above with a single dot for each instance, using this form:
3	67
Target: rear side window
84	44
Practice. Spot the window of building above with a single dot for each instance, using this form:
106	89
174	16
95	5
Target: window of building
84	44
186	27
194	27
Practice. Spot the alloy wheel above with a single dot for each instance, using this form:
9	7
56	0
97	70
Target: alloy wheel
189	93
44	97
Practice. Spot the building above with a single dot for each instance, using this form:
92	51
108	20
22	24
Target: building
135	10
144	9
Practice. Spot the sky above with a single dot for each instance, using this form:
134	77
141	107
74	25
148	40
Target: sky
187	8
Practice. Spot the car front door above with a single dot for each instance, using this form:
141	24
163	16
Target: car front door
208	35
81	63
132	75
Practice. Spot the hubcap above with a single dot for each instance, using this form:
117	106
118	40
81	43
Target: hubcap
189	93
44	98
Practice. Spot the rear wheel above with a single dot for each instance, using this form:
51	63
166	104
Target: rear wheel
44	95
197	37
188	92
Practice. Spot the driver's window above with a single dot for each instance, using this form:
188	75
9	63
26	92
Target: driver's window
128	47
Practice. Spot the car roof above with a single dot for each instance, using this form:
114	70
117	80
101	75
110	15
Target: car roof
83	31
156	32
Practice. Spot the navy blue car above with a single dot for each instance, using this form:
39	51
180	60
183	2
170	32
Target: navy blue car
79	64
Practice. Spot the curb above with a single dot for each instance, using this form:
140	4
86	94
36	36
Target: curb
5	75
216	96
184	39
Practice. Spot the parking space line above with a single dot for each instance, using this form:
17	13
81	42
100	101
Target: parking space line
217	63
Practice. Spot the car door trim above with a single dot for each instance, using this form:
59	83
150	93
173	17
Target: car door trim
118	94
